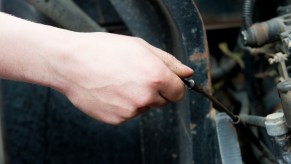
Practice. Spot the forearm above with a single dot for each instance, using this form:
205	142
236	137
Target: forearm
110	77
25	48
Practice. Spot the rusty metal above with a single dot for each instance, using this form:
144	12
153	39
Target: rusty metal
220	14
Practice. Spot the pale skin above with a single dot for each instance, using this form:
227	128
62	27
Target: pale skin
110	77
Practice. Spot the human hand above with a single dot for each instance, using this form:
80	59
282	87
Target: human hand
113	78
110	77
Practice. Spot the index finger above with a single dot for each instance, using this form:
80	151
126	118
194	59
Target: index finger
174	64
173	88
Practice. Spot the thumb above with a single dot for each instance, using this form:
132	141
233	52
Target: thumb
174	64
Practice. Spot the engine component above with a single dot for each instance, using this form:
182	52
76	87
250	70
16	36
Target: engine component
280	58
251	120
275	124
227	140
235	119
286	42
248	9
284	89
276	128
261	33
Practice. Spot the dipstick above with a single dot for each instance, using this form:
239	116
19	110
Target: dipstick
219	106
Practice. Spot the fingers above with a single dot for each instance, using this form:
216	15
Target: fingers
175	65
173	88
159	101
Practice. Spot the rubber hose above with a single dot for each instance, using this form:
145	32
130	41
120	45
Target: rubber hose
253	120
248	10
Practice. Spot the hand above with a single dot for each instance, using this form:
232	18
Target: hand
114	78
110	77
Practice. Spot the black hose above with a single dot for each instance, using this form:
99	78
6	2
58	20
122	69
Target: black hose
249	135
217	105
248	11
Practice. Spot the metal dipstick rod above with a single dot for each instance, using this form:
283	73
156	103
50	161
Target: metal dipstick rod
235	118
219	106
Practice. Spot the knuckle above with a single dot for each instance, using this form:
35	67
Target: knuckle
156	83
131	112
151	83
140	40
157	78
180	92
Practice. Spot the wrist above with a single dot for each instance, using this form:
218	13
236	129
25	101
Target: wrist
30	51
59	47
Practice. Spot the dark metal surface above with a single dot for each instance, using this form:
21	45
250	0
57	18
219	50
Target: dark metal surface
43	122
167	135
143	20
282	145
160	129
196	55
67	14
